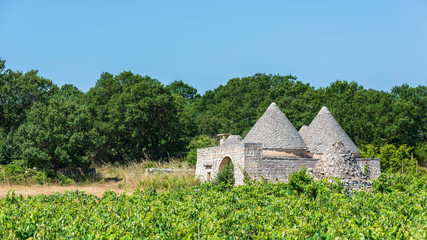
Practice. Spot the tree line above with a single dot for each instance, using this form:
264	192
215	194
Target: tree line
129	117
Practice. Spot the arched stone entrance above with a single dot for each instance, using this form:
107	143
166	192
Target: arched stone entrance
226	169
224	162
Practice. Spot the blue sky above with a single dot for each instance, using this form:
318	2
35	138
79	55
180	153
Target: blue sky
379	44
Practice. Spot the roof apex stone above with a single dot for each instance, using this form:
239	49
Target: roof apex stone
324	110
272	105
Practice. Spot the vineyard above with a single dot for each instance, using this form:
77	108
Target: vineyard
318	210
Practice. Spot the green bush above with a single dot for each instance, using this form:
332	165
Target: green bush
149	164
225	175
298	181
18	173
391	157
392	182
420	151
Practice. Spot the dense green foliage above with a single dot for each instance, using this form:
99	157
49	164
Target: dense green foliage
136	117
299	181
129	117
18	93
18	173
368	116
56	133
225	175
257	211
392	158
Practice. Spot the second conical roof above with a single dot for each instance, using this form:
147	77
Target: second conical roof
274	130
323	130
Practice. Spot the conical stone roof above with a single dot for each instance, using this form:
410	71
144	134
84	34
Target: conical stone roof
274	130
302	130
323	130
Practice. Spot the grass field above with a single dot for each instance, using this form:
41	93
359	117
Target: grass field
117	178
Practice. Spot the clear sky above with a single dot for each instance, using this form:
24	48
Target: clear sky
378	44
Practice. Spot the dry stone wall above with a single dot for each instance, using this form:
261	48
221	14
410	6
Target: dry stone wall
253	152
279	169
209	160
338	162
374	168
249	157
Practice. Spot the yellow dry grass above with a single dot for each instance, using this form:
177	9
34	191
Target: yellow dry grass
33	190
118	178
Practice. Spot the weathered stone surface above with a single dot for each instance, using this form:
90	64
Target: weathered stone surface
339	162
209	161
279	169
233	139
323	130
165	170
372	166
275	131
273	150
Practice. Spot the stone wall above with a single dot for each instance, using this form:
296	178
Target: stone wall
249	157
374	168
209	160
253	153
279	169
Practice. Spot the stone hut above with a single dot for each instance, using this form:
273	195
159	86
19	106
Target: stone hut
323	130
273	149
277	135
338	161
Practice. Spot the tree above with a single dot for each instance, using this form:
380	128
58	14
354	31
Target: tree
235	107
136	117
391	157
410	114
56	134
182	89
18	93
420	152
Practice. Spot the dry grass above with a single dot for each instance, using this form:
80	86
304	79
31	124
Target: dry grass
32	190
134	175
118	178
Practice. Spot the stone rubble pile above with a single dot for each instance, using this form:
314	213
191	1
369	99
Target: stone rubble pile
166	170
338	162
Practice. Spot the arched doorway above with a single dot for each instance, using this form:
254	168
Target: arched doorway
225	172
224	162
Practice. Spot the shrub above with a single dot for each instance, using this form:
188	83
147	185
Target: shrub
226	175
298	181
391	182
391	157
149	164
18	173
